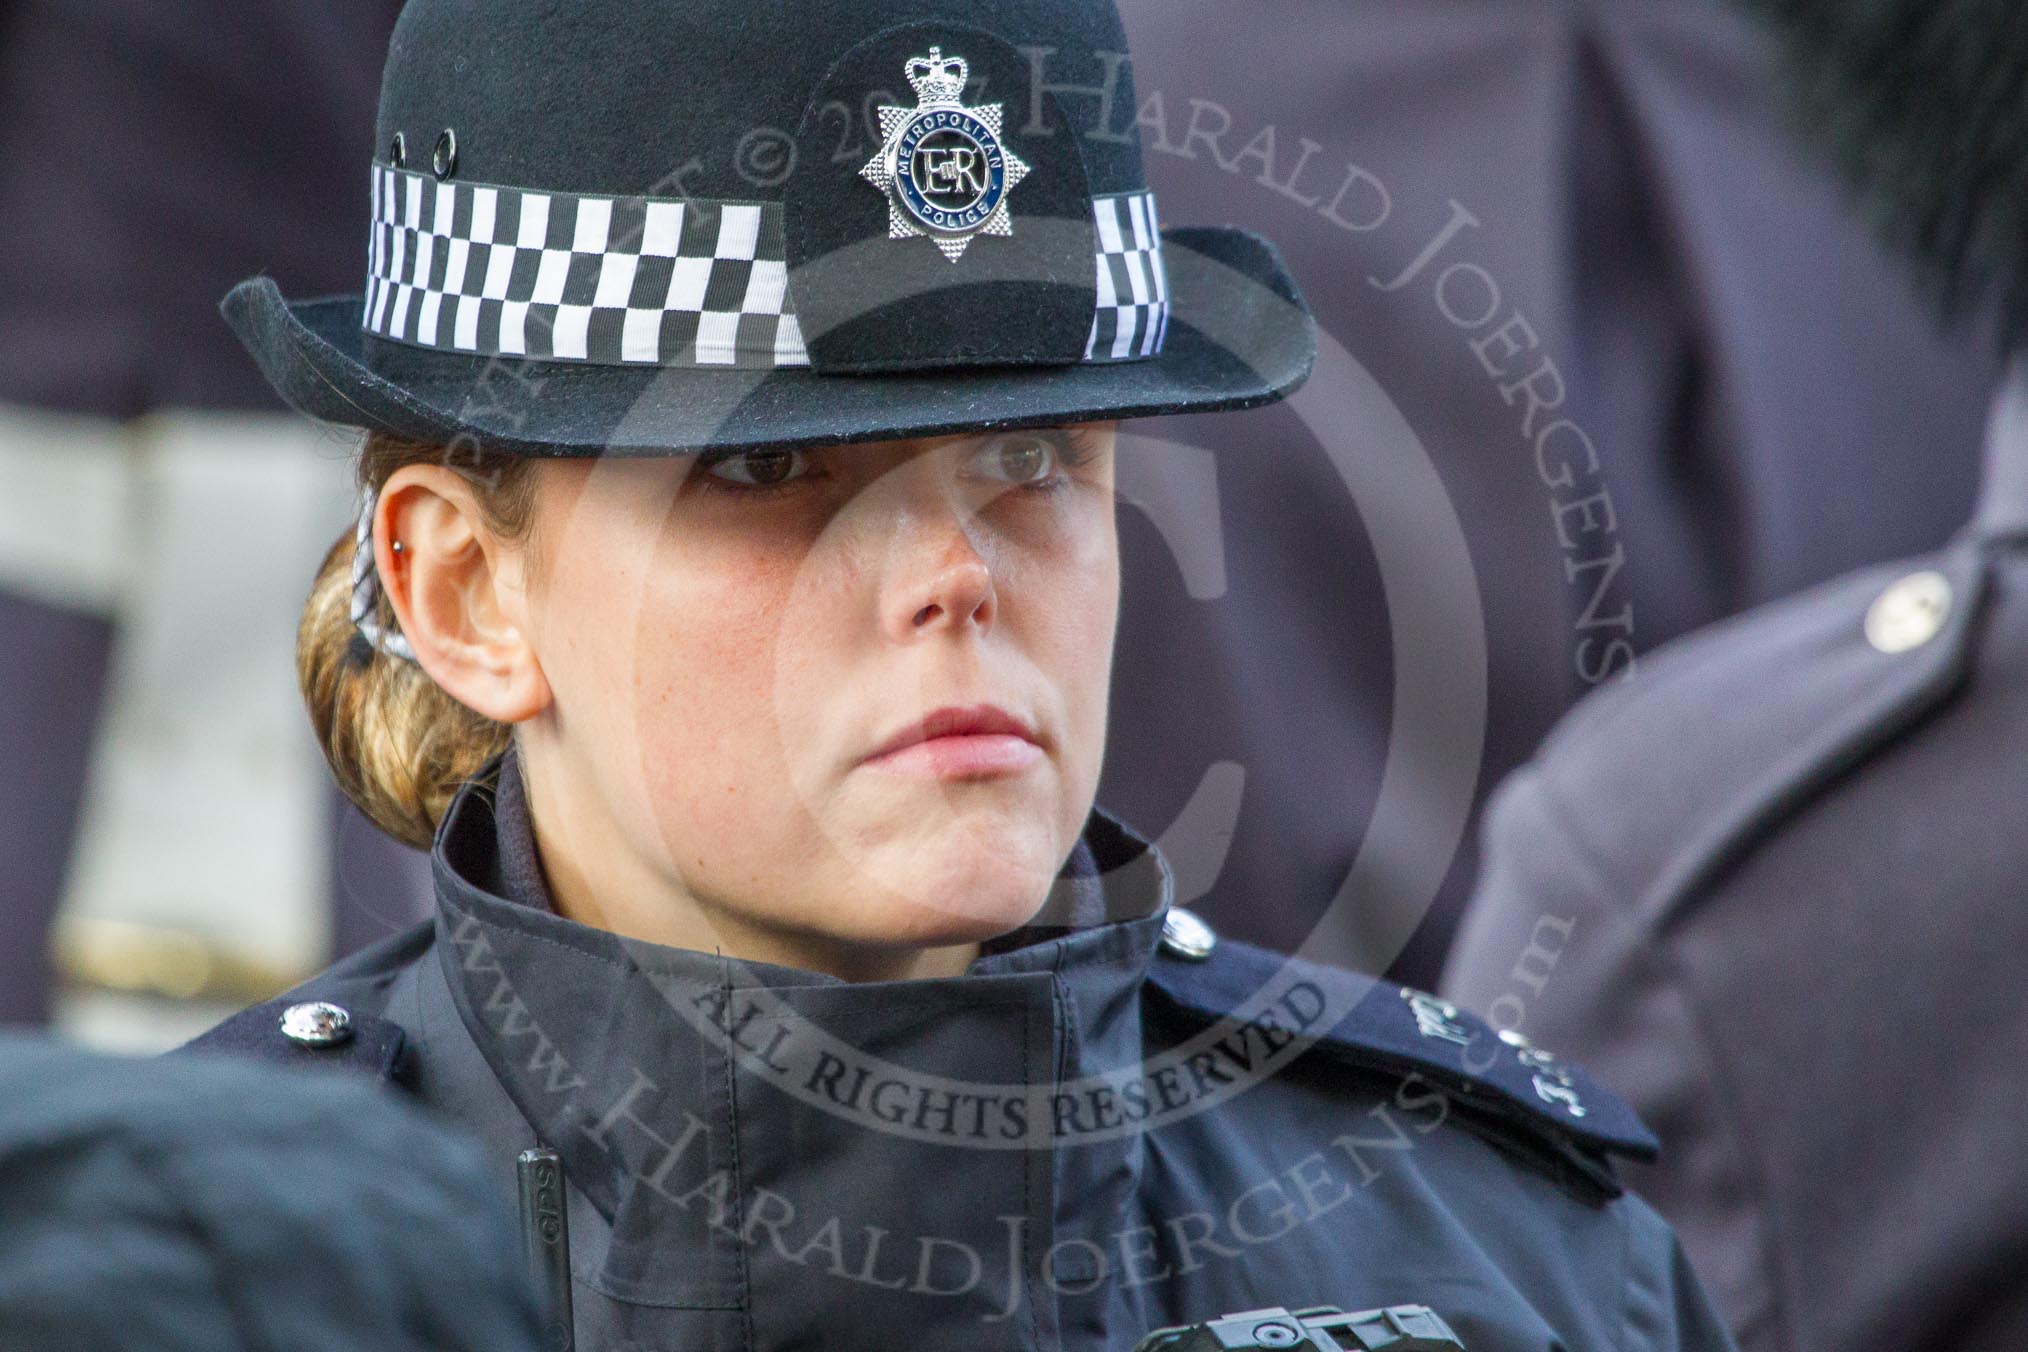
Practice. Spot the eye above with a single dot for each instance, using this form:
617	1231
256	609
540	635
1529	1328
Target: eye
1024	459
758	469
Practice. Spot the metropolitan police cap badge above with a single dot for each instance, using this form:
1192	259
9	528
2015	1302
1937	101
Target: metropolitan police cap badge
942	165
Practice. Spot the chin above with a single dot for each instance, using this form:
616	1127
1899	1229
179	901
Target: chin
952	891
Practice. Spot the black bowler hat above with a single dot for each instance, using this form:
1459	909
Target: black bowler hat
665	225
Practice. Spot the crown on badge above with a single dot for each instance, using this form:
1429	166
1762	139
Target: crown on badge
938	78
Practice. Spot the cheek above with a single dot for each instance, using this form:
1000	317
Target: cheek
1091	682
670	664
1074	598
709	737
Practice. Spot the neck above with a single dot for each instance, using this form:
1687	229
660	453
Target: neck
593	876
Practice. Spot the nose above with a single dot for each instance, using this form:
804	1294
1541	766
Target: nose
939	581
958	593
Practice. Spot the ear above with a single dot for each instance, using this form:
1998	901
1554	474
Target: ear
460	593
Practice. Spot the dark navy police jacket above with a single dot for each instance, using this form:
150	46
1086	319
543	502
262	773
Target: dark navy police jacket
762	1158
1774	887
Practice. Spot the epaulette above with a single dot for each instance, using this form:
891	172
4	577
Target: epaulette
309	1034
329	1022
1544	1107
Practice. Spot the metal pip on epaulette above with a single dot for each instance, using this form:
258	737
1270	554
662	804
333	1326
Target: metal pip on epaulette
299	1027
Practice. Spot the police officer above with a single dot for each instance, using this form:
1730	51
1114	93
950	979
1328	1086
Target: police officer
731	611
1772	887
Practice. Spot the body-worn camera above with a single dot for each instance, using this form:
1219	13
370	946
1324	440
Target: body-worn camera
1398	1328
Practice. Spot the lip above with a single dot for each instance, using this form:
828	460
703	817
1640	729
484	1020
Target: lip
971	742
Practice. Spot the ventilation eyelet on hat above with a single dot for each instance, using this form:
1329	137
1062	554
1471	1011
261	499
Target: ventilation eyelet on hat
444	159
397	151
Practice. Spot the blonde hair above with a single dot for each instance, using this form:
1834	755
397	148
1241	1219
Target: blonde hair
399	746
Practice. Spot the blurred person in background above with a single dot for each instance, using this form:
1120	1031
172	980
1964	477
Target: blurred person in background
149	725
1549	229
195	1205
1772	889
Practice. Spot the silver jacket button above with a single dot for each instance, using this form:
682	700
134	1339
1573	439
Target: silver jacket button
1910	613
316	1024
1184	935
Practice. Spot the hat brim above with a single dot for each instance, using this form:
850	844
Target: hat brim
1239	336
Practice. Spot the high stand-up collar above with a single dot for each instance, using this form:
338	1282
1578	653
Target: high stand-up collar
769	1140
2003	498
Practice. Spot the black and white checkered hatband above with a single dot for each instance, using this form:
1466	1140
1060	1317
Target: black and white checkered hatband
487	270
